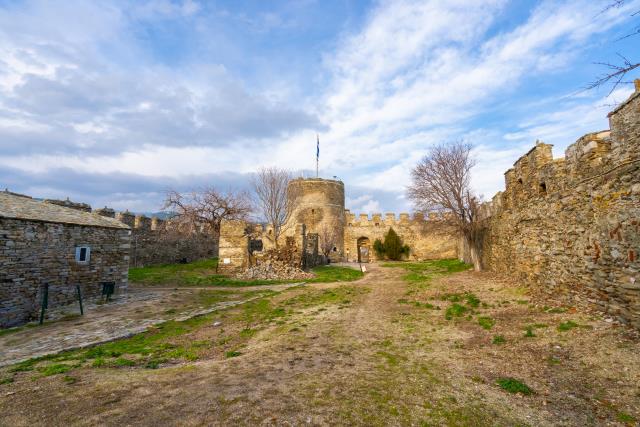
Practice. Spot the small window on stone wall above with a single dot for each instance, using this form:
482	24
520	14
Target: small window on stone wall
543	188
377	224
83	254
520	181
335	249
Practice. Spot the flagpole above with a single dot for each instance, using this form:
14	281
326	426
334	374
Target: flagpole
317	154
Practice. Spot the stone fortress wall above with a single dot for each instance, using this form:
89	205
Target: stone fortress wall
154	240
428	238
570	227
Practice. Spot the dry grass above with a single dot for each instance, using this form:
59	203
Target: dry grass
377	352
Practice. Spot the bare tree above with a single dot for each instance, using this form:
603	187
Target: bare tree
328	237
617	71
207	207
273	199
441	183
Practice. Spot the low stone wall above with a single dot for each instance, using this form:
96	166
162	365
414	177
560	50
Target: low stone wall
570	228
33	253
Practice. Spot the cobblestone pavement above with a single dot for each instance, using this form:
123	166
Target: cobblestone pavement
124	316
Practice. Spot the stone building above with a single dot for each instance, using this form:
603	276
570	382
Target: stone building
48	243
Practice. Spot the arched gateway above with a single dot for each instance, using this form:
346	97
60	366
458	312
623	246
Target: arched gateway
364	248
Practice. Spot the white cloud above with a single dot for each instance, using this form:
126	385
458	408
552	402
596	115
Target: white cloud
78	89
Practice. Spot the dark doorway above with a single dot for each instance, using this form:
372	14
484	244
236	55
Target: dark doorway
364	248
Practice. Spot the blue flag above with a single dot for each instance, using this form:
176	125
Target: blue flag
318	147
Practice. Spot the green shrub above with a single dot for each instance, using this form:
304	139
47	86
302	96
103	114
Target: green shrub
229	354
392	248
378	248
513	385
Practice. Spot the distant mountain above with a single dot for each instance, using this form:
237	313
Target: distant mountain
160	215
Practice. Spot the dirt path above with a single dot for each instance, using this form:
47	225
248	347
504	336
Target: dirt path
387	356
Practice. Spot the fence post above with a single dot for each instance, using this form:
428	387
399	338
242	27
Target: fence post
45	302
80	300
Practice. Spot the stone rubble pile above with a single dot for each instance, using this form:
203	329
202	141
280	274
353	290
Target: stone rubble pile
277	264
274	270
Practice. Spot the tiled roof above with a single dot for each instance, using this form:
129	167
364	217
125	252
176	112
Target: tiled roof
24	207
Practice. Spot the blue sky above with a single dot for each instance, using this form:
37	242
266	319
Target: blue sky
113	102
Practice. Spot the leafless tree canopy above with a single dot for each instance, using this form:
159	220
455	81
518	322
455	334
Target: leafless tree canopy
617	71
207	206
274	203
441	182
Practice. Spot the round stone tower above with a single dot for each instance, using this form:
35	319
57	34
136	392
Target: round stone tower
319	205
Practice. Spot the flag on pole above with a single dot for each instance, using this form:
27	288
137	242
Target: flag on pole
317	153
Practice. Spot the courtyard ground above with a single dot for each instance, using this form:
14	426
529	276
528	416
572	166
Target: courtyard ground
409	344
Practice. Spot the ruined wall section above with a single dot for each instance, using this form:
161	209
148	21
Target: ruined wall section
571	227
236	254
428	238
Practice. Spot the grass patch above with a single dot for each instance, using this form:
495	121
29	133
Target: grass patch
455	310
566	326
436	266
247	332
13	330
121	361
528	332
328	273
58	368
486	322
625	418
7	380
392	359
230	354
203	273
499	339
472	300
69	379
27	365
513	385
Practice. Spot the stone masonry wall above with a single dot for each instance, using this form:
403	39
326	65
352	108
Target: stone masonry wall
427	238
155	241
33	253
319	205
234	247
570	227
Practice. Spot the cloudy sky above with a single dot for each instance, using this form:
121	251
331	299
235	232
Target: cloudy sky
113	102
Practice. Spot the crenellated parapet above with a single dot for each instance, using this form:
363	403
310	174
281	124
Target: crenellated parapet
538	175
390	219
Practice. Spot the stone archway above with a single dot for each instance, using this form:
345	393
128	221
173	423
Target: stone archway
364	249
